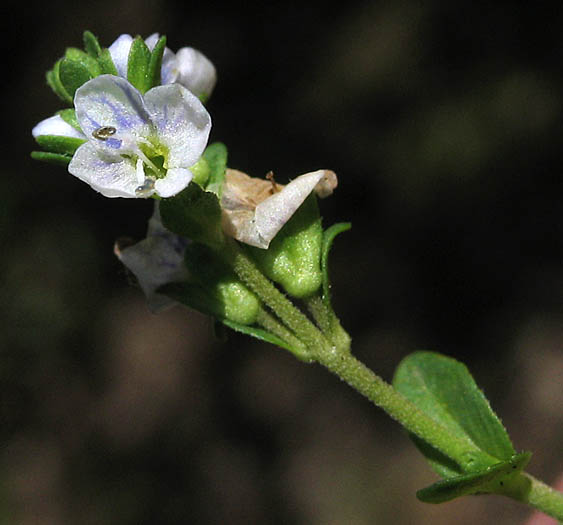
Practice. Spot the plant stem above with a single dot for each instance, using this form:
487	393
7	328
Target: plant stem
328	322
270	323
382	394
335	356
527	489
291	316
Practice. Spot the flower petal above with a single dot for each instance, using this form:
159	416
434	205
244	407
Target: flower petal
119	52
112	102
175	181
111	175
196	72
258	224
182	123
155	261
55	125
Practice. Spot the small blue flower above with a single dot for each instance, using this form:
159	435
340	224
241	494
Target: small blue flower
137	145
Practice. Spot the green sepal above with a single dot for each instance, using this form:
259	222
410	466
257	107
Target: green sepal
73	74
54	82
293	258
107	67
260	334
91	44
232	299
138	65
200	171
84	59
155	62
69	116
216	156
195	214
494	479
328	238
59	144
225	299
51	158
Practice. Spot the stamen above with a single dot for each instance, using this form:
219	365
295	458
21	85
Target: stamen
104	133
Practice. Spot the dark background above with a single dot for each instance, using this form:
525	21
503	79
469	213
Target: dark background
443	123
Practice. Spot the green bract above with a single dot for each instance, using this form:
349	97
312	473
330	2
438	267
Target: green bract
444	390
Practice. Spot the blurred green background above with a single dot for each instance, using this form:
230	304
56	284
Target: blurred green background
443	122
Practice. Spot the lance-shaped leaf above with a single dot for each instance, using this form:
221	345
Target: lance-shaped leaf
445	390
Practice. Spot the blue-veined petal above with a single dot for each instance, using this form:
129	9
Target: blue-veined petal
119	52
182	123
175	181
55	125
155	261
196	72
111	175
110	102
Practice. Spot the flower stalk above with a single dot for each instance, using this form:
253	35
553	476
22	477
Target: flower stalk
328	344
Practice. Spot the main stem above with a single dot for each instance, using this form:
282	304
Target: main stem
337	359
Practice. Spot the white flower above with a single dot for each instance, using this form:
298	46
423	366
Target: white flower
255	210
155	261
137	146
187	67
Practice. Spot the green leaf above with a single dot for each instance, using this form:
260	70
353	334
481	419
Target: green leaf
138	65
91	44
328	238
155	62
107	67
69	116
54	82
195	214
216	156
493	479
444	389
59	144
52	158
261	334
73	75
